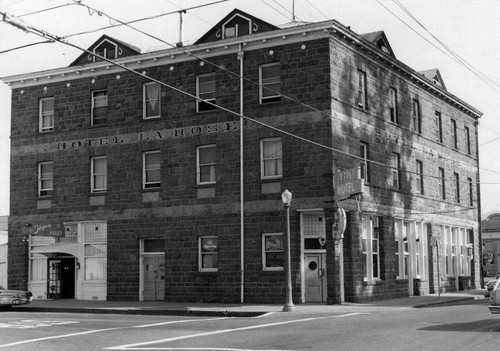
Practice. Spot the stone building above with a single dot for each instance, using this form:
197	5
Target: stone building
158	175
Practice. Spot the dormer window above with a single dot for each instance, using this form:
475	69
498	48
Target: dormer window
237	26
106	49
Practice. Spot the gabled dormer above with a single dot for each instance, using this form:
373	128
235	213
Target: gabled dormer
107	47
236	24
434	76
379	40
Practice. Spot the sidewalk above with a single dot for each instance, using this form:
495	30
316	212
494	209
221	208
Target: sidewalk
233	310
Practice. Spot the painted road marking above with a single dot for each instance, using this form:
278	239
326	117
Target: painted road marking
32	323
97	331
143	345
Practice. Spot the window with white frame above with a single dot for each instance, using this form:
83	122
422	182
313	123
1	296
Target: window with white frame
365	165
362	98
313	229
370	247
467	140
420	250
46	122
273	257
454	135
396	177
417	122
99	107
401	230
419	176
45	178
393	105
271	155
99	176
270	82
95	251
471	191
457	187
151	107
205	90
207	253
206	161
151	177
439	126
441	183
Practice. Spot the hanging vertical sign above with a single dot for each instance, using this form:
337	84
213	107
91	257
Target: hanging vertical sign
347	183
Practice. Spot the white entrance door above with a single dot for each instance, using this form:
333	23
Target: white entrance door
154	277
315	277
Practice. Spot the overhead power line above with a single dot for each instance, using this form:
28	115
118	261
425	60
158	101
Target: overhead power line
25	27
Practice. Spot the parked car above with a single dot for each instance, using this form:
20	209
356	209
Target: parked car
13	297
489	287
495	298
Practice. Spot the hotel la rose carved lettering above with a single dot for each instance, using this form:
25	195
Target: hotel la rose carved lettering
149	136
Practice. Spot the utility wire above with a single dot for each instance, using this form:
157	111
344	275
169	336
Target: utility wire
44	10
25	27
25	46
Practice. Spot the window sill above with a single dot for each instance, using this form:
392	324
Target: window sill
372	282
205	273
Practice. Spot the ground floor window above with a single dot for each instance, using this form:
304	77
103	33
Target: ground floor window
207	254
272	252
370	244
411	253
455	253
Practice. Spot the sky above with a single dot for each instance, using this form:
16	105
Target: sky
459	37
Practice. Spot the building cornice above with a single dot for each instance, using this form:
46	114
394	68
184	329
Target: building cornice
266	40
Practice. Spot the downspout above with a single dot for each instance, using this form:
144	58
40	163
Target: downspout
242	188
480	227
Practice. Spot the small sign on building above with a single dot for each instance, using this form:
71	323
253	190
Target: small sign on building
46	229
347	183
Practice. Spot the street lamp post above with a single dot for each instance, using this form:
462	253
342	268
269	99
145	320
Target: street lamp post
286	196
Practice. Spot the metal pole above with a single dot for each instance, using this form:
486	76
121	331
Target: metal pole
289	306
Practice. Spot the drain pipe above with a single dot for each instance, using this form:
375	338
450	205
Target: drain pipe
242	188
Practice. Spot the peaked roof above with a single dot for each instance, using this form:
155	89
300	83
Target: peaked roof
236	17
379	40
434	76
122	50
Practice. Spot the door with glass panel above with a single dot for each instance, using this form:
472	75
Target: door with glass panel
153	269
315	277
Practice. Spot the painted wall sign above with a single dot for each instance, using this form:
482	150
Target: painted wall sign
149	136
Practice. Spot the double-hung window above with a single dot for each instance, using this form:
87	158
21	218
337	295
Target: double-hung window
439	126
442	183
457	187
96	239
393	105
206	161
419	176
151	100
396	176
467	140
45	178
270	82
272	252
365	165
99	176
454	136
207	253
370	247
151	169
471	191
205	91
99	107
362	98
416	118
46	122
271	156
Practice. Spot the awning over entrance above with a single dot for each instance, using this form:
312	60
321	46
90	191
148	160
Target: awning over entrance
72	249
